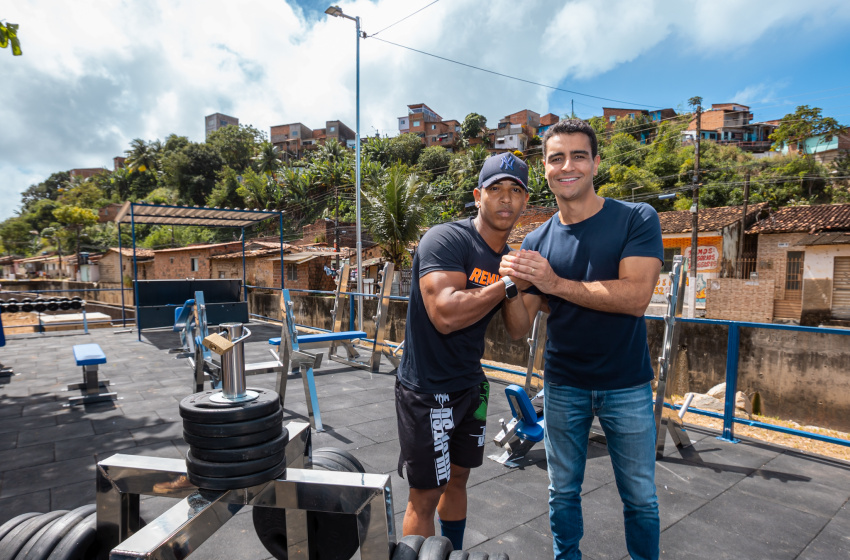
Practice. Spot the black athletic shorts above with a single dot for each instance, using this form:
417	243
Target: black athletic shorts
438	430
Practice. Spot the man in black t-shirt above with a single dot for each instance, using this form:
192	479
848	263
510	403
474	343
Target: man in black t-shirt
441	391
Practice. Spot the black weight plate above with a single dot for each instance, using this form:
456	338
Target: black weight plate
12	307
228	470
219	483
52	306
234	428
333	535
18	537
27	307
76	298
26	300
458	555
14	522
199	408
233	442
435	548
47	540
478	555
341	456
270	525
65	305
40	307
76	305
76	543
408	547
11	300
243	453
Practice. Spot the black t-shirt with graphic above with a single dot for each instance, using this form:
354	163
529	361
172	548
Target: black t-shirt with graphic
441	363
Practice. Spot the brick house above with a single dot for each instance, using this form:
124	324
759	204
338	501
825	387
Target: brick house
305	270
192	261
823	150
730	123
546	121
7	267
718	238
109	265
515	130
294	139
428	125
805	252
614	114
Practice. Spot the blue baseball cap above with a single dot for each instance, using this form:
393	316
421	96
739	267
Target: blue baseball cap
503	166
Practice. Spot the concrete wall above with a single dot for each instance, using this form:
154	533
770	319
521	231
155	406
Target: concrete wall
739	300
818	274
800	376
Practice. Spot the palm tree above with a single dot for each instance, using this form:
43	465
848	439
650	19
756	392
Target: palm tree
268	160
298	199
142	156
395	211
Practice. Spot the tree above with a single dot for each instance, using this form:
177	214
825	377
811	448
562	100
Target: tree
395	211
434	160
473	125
806	122
9	35
236	145
47	189
539	193
142	156
298	202
192	171
258	191
75	219
16	235
377	148
54	235
641	127
85	194
405	149
267	161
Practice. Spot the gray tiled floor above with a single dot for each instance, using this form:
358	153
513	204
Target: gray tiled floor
720	500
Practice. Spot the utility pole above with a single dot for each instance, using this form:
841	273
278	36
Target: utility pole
572	109
743	226
692	274
336	226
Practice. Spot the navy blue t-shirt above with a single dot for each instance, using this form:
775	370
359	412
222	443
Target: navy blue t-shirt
585	348
443	363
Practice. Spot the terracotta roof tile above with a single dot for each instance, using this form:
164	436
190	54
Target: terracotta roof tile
710	219
809	219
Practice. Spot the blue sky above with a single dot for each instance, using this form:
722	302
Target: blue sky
96	74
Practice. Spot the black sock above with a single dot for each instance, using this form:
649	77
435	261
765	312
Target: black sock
453	530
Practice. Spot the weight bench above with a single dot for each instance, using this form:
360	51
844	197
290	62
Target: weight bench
89	357
184	323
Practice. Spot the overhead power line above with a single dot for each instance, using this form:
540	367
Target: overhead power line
555	88
404	18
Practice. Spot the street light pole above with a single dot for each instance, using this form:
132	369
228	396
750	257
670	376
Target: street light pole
337	12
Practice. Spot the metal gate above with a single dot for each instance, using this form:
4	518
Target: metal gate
841	288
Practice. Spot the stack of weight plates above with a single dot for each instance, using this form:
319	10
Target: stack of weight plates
234	445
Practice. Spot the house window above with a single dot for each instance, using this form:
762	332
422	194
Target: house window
433	127
612	118
333	129
221	274
172	260
403	121
668	258
416	123
794	272
292	272
294	133
193	264
631	115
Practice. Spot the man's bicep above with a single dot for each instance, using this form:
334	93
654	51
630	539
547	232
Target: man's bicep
437	287
642	271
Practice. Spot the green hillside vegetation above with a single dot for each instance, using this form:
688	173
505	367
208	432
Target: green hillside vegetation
405	186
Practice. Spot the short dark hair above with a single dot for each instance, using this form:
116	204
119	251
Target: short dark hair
572	126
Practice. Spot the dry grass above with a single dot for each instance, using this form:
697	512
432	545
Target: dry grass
762	434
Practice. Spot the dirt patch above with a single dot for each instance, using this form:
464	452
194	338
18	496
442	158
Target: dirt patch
12	322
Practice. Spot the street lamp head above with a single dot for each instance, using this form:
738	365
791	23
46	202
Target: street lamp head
334	11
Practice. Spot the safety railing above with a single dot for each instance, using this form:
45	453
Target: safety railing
732	353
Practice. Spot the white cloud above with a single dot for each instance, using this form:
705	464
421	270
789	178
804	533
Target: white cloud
96	74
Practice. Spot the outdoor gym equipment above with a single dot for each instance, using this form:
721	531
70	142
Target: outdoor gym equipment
41	305
5	371
89	357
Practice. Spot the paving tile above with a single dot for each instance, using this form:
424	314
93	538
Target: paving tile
795	490
72	496
26	457
828	545
44	477
491	499
20	423
122	422
383	457
744	514
696	539
378	431
24	503
518	542
157	432
90	446
70	430
8	440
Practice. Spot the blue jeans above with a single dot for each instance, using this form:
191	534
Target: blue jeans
626	416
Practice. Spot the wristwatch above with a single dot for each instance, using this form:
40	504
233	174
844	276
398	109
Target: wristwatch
511	290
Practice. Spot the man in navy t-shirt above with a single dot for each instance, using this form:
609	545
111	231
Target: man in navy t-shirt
593	266
441	391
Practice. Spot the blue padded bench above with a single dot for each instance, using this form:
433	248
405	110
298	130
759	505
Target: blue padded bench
529	424
323	337
89	357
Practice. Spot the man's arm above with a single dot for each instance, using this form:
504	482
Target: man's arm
450	306
629	294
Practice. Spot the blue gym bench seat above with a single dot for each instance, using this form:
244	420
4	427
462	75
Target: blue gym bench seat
319	338
530	424
89	357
